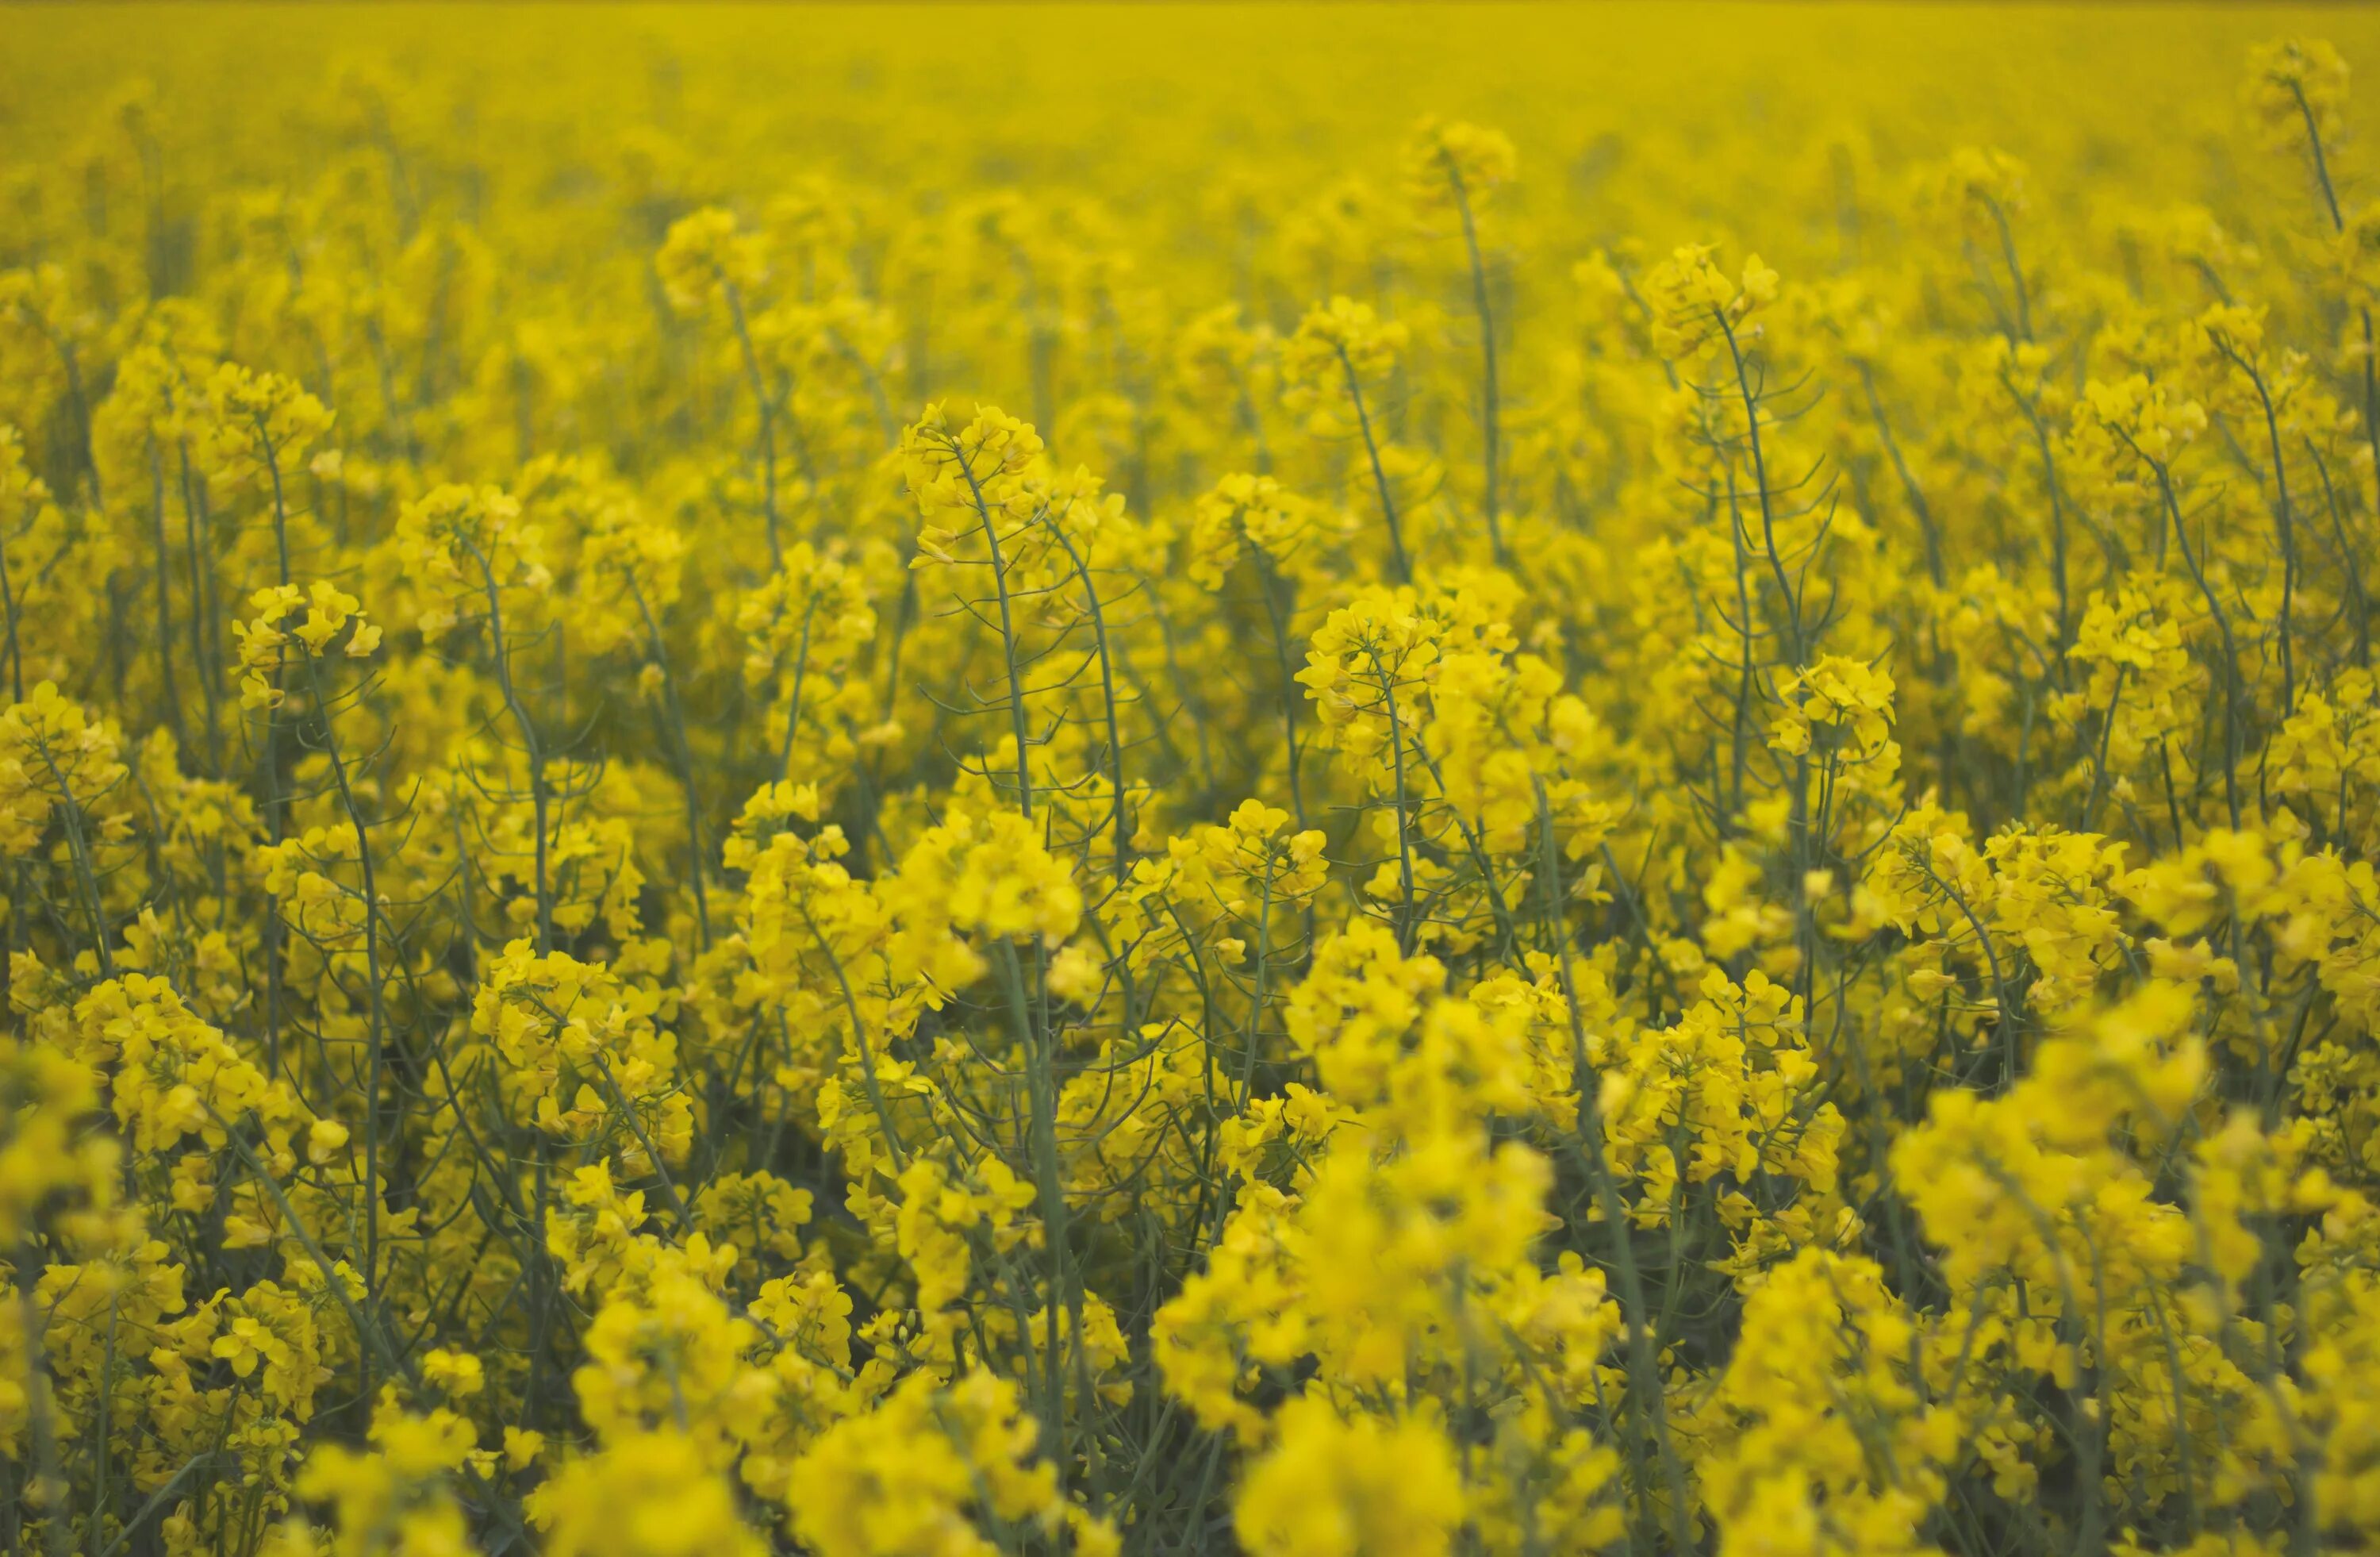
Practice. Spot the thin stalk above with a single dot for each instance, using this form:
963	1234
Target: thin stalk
1490	415
2281	518
377	1045
1791	603
1107	694
1007	638
1379	476
1646	1396
1404	845
768	423
540	799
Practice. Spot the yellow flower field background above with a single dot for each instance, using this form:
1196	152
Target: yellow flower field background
944	781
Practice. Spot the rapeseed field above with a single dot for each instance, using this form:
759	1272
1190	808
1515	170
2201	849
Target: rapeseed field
943	782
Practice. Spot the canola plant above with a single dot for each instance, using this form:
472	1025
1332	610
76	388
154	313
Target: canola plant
948	781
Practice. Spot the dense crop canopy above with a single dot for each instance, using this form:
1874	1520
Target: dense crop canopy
954	783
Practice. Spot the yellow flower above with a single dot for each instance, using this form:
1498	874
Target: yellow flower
1336	1487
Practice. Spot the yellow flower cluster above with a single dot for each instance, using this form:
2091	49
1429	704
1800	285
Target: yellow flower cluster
1492	878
